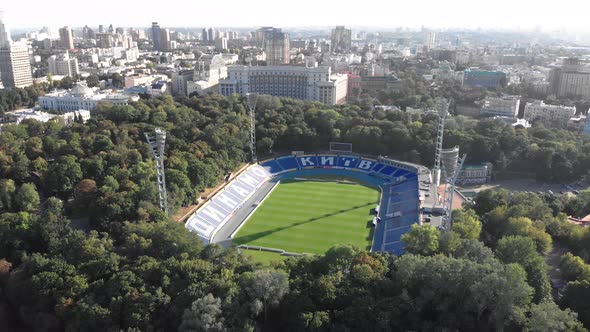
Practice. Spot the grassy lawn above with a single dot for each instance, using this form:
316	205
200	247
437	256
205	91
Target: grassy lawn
311	217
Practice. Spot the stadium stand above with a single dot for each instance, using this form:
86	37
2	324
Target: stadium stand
399	204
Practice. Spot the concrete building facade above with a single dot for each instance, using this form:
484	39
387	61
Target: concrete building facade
549	115
341	39
15	66
80	97
63	65
66	38
304	83
276	46
500	106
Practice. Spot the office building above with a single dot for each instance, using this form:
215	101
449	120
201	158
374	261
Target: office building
81	97
276	46
431	40
474	77
15	66
5	39
63	65
572	80
204	37
156	37
220	44
66	38
179	81
211	35
88	33
556	116
341	39
304	83
500	106
165	39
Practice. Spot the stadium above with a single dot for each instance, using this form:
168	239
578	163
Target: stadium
306	203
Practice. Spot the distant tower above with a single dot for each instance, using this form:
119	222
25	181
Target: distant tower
158	142
5	40
156	36
442	108
252	98
66	38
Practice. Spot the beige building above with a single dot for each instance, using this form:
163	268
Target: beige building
549	115
208	71
63	65
317	83
15	66
572	79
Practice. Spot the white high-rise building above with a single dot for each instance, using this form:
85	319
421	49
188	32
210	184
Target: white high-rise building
63	65
15	66
5	39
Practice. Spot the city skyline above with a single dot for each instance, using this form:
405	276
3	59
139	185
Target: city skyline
504	14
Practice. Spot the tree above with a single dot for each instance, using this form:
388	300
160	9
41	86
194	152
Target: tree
92	81
466	224
548	317
63	175
203	315
422	240
574	268
265	287
575	298
27	197
7	193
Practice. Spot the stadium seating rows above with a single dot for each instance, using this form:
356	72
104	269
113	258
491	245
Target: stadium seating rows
400	200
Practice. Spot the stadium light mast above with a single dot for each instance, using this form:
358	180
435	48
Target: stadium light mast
157	142
442	108
252	98
450	192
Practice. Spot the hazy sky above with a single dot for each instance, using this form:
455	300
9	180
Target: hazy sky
508	14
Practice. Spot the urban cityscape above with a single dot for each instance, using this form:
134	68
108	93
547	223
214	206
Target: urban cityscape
431	174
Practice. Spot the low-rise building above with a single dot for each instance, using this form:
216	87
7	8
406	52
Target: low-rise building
500	106
18	116
549	115
381	83
483	78
475	174
81	97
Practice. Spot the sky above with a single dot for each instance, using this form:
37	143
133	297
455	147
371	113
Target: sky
568	15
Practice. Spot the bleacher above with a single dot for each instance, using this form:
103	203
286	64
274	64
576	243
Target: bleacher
215	213
399	200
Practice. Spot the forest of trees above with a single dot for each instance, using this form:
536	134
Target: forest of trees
133	269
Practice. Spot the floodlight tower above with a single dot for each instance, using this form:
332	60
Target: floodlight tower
449	193
157	142
252	98
442	108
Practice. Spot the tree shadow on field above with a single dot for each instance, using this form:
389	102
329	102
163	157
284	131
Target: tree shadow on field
252	237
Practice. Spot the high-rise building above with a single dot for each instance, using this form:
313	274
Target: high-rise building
66	38
221	44
15	66
431	40
63	65
571	80
88	33
341	39
317	83
5	39
156	36
211	35
164	39
204	35
276	46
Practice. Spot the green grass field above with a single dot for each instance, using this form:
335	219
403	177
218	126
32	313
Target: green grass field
311	217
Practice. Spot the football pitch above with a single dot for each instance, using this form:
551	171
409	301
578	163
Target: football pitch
311	217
